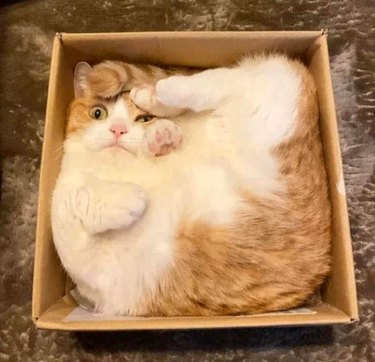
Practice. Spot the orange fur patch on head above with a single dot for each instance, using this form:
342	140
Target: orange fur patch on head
106	80
79	115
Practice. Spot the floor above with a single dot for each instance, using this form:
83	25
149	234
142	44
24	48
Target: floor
27	29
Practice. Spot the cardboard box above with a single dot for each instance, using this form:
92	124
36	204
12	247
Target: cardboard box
51	306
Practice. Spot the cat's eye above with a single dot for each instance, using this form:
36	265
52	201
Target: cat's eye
98	113
143	118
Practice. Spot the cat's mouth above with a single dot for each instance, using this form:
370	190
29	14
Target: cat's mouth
123	146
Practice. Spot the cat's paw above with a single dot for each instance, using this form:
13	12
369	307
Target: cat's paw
109	206
173	91
125	204
144	97
161	138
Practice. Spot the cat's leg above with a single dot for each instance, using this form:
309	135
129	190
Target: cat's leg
102	206
161	138
199	92
174	95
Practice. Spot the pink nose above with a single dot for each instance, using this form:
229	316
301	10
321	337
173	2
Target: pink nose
118	130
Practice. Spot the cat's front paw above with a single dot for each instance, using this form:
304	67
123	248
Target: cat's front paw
144	97
161	138
108	206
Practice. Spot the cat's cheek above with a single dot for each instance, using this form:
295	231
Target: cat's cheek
98	137
133	139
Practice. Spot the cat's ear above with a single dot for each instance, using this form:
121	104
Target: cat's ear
81	73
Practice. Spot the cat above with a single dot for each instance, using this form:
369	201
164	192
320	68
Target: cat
193	193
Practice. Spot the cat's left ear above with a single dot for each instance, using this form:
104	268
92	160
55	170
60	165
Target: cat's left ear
81	72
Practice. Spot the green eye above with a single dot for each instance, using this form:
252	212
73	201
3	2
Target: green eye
143	118
98	113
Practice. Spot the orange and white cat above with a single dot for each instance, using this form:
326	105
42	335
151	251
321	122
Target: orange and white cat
193	193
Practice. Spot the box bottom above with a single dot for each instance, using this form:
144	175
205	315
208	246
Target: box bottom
57	317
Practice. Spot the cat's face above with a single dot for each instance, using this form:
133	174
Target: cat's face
100	123
102	114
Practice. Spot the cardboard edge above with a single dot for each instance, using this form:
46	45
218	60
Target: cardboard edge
38	257
55	318
353	314
191	325
72	37
343	208
140	327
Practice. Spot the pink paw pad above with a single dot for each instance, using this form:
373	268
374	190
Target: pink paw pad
162	138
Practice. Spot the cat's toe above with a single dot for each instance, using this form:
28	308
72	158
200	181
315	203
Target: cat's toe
138	204
135	203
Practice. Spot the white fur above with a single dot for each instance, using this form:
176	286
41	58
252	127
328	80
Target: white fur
239	115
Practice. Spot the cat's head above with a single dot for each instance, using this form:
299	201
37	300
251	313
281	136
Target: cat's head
102	114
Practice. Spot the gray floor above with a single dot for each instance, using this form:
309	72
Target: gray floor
27	29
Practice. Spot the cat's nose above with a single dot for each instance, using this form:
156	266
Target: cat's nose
118	130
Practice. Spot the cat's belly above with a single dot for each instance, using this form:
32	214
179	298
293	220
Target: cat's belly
142	254
203	191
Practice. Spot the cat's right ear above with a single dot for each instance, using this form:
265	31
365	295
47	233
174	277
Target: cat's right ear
81	72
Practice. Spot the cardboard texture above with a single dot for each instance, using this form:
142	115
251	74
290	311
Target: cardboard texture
51	305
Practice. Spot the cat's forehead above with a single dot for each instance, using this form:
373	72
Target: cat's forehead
121	103
120	106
